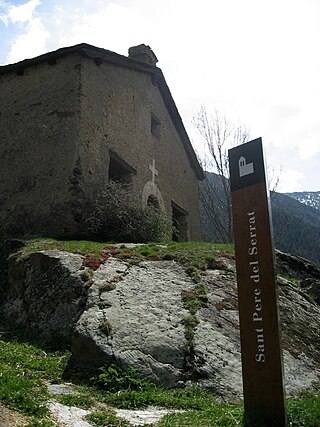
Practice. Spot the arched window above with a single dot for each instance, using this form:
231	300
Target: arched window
153	202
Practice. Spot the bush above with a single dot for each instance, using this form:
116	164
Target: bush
118	215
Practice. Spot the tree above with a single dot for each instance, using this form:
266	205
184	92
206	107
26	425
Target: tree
219	135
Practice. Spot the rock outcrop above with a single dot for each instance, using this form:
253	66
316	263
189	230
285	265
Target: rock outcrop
134	315
45	295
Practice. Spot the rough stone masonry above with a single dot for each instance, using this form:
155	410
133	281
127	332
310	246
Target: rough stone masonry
73	119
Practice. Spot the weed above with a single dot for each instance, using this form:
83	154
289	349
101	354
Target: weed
192	301
106	327
113	379
91	262
106	418
190	323
195	298
107	287
168	256
86	275
291	279
80	401
43	422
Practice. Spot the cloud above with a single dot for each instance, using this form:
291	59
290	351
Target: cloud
290	180
32	42
22	13
111	25
31	35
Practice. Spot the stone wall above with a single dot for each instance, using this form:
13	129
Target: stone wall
39	122
59	119
117	109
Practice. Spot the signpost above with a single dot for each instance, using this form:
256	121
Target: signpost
262	367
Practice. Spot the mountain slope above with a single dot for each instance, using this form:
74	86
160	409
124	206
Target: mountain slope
309	198
296	226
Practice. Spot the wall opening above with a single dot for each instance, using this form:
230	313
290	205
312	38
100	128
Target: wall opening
153	202
155	126
179	223
119	170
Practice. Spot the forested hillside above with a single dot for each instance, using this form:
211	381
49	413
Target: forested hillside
296	225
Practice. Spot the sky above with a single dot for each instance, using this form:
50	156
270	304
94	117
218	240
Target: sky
255	61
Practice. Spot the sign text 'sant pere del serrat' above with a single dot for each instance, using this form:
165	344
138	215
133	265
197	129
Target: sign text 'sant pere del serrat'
262	366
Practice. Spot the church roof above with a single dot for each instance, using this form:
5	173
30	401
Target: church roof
99	56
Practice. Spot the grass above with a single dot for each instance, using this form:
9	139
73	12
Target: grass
25	369
83	247
291	279
106	418
304	411
185	252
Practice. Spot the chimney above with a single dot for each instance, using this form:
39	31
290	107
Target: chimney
143	53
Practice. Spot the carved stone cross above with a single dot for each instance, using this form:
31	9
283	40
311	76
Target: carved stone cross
153	169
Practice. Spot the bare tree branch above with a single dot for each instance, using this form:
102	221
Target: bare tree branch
219	135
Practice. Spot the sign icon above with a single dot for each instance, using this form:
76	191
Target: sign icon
244	167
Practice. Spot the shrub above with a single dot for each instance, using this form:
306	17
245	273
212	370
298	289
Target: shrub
119	215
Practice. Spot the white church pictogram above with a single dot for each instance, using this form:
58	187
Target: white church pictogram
244	167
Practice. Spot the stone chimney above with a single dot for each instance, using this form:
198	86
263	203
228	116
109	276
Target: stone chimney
143	53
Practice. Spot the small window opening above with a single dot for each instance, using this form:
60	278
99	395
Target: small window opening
179	223
119	170
155	126
153	202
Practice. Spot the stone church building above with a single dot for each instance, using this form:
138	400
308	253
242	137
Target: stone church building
72	119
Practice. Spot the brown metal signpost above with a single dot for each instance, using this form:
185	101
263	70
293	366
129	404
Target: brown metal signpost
262	367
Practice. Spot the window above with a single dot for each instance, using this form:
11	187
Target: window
155	126
120	170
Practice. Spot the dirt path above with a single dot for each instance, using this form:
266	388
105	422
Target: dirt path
10	418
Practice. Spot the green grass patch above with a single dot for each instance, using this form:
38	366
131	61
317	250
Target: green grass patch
305	410
83	247
24	371
185	252
194	299
106	418
80	401
214	415
291	279
114	379
187	399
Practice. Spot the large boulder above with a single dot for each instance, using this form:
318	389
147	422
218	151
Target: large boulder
134	315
